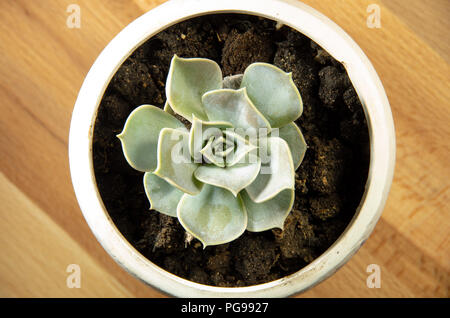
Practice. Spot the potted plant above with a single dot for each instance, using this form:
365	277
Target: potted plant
328	207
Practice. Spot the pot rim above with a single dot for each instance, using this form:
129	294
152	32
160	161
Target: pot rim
305	20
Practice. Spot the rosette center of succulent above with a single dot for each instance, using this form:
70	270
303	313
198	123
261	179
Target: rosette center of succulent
217	143
217	150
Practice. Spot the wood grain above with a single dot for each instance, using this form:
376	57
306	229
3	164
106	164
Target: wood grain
43	64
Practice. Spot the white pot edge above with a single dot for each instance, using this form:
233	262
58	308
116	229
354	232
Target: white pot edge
309	22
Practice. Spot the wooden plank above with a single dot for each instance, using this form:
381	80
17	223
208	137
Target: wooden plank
36	253
428	19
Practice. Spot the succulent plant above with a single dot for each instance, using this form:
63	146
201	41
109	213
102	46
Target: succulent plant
234	168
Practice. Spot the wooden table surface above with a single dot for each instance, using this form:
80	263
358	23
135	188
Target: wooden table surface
42	66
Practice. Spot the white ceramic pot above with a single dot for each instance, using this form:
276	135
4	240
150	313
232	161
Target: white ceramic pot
305	20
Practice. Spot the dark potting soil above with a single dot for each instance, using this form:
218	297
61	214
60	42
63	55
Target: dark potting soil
329	183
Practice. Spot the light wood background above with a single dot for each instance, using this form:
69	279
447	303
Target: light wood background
42	66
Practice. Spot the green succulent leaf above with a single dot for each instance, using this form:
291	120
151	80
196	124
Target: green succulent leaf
187	81
162	195
174	162
233	81
201	132
140	135
292	134
277	171
235	107
270	214
168	109
214	216
273	93
233	179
